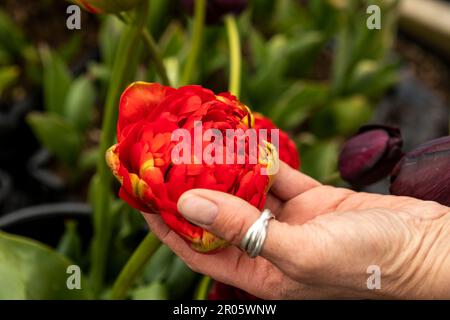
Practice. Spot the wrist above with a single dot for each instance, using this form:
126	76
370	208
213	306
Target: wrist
432	263
439	275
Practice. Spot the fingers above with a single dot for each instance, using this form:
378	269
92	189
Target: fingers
290	183
230	217
230	265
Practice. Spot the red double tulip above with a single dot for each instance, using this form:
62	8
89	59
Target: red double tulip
152	181
287	150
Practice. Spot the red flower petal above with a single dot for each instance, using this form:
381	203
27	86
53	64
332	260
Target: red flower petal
138	100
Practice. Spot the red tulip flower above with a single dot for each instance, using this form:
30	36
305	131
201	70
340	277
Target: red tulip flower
287	150
153	179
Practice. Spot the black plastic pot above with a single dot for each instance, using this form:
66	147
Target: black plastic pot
5	188
17	142
44	180
45	223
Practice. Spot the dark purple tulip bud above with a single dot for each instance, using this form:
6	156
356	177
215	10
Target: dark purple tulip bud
217	9
370	155
424	173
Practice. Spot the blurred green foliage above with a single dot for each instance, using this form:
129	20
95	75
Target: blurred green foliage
312	66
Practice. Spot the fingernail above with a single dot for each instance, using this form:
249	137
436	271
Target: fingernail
198	210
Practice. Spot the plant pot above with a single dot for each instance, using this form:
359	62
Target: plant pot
45	181
45	223
17	142
5	188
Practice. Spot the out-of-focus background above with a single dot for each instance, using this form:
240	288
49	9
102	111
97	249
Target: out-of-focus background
313	67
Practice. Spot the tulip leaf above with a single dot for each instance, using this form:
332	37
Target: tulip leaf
56	81
320	159
109	35
265	84
70	243
78	107
180	279
58	136
172	40
8	76
297	103
31	270
372	78
158	268
343	116
154	291
302	51
12	40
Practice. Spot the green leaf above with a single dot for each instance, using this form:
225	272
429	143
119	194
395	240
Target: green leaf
70	243
320	160
180	279
351	113
56	81
297	103
154	291
88	159
109	36
372	78
343	116
172	40
31	270
159	266
71	47
302	52
8	76
78	107
11	37
58	136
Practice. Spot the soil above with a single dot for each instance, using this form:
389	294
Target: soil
28	14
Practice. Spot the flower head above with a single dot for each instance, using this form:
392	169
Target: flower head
287	150
370	155
173	140
424	173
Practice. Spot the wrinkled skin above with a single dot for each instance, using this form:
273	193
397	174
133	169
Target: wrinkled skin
322	242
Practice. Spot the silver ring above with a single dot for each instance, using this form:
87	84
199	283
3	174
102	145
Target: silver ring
253	240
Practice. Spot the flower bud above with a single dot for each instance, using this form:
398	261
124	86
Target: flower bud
424	173
370	155
106	6
217	9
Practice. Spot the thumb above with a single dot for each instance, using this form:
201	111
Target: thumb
229	218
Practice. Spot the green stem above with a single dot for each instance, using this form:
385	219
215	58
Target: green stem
134	266
235	55
156	57
199	23
120	74
201	293
332	179
153	49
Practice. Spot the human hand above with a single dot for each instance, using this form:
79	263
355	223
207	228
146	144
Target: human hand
322	242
